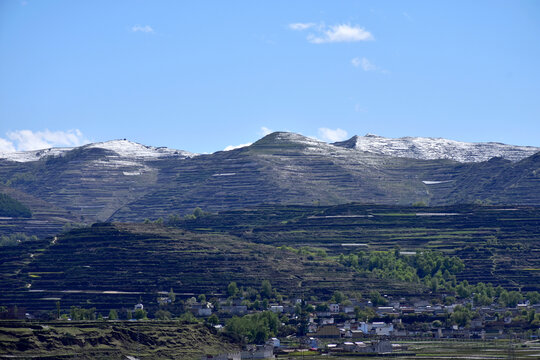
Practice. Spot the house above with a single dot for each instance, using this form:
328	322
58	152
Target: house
407	310
382	329
204	311
327	331
164	300
278	309
274	342
334	308
355	334
258	352
384	310
327	321
235	309
227	356
364	327
477	323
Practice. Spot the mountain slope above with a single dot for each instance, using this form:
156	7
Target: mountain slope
126	181
437	148
285	168
91	181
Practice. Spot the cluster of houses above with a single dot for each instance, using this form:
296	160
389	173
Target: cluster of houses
340	321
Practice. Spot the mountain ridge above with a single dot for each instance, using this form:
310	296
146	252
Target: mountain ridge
125	181
426	148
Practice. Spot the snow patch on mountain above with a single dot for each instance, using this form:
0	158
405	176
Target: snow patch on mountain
437	148
129	149
33	155
123	149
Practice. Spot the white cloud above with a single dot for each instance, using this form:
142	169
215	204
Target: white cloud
367	65
265	131
340	33
144	29
364	63
232	147
6	146
24	140
301	26
332	135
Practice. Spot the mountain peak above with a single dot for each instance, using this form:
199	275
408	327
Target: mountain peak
427	148
126	148
283	137
122	147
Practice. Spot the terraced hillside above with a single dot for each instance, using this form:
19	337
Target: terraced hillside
110	340
112	265
285	168
124	181
498	244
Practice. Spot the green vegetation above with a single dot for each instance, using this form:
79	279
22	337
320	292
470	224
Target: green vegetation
77	313
13	208
254	328
392	265
15	239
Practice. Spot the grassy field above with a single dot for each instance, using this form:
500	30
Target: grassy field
109	340
440	350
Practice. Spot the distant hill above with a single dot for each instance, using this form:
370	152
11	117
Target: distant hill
112	265
437	148
125	181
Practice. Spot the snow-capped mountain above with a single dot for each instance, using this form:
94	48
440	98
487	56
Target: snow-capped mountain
437	148
124	181
122	148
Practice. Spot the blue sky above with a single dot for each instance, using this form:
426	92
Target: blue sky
203	75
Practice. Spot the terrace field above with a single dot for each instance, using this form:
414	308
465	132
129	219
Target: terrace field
111	266
109	340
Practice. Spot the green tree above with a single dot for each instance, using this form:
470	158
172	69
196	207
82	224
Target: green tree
13	208
232	289
113	315
172	295
533	297
364	314
198	213
266	289
140	314
377	299
461	316
255	328
163	315
188	317
213	320
338	297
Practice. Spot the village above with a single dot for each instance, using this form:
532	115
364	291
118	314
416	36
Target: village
361	327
